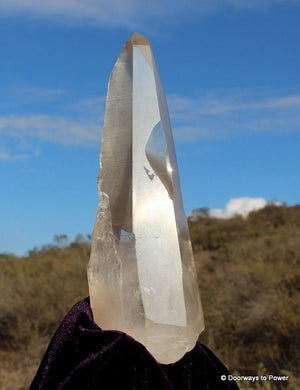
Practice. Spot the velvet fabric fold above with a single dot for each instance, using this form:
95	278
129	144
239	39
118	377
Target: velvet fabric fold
81	356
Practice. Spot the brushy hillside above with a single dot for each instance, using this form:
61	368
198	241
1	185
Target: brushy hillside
249	281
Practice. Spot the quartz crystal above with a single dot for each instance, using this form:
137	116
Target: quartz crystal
141	272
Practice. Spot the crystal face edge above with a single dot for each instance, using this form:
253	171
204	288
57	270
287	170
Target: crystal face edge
133	307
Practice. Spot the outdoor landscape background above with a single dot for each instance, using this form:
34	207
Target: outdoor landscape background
230	70
248	271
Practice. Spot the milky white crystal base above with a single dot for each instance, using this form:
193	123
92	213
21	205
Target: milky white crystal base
166	343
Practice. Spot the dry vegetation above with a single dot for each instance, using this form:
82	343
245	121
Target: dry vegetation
249	281
36	292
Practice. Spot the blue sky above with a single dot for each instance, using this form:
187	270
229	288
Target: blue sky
230	70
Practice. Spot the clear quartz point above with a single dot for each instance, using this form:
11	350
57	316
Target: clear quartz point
141	273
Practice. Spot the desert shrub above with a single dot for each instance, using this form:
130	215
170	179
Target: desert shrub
250	294
37	291
249	281
211	233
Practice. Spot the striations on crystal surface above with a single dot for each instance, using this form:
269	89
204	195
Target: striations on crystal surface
141	273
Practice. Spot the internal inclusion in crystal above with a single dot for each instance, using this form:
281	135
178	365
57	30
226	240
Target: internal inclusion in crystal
157	155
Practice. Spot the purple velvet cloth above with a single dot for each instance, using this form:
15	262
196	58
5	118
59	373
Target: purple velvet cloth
81	356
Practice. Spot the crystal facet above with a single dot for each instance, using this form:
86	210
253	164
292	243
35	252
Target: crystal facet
141	272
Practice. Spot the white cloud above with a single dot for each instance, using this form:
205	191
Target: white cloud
57	129
93	107
34	93
18	97
236	206
225	102
127	13
221	114
239	206
7	156
72	122
78	121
